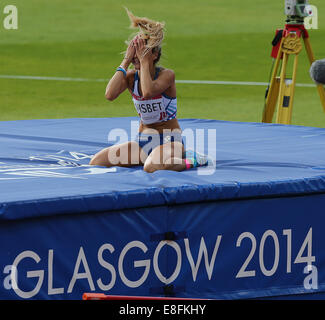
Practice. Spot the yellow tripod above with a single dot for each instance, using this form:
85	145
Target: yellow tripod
281	89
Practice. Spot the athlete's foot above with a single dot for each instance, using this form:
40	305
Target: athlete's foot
196	159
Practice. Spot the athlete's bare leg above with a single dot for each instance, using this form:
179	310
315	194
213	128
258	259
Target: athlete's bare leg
127	154
168	156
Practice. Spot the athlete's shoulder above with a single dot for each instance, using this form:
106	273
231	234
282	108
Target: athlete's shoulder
167	73
166	70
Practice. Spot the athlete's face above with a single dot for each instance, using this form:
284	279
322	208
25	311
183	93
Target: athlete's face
151	56
136	61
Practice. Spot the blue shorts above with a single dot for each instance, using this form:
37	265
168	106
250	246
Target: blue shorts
148	142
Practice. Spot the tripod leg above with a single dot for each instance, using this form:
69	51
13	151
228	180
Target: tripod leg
287	94
282	101
273	92
311	57
271	101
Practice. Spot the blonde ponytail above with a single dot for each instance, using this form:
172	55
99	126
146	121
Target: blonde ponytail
149	30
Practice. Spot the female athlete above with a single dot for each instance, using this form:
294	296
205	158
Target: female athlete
158	145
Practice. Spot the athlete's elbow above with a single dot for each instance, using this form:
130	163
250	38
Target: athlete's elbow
147	94
110	96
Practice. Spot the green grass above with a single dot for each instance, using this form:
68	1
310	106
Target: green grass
205	40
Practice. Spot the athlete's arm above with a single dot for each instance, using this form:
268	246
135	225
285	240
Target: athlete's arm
151	88
119	82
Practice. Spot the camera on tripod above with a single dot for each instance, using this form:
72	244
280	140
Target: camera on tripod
297	10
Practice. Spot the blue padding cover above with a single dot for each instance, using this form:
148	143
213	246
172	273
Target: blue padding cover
248	230
43	166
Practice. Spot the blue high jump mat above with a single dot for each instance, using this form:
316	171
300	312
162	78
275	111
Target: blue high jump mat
249	226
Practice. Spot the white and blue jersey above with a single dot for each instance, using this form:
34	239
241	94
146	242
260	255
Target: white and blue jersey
157	109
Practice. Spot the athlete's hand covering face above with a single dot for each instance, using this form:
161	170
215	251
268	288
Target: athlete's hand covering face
130	52
140	49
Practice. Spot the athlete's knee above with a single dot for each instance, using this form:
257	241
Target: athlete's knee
95	161
99	159
150	167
